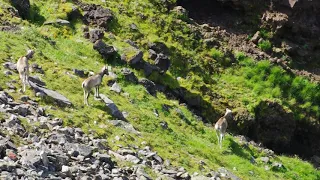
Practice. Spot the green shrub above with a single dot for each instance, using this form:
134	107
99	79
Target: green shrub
216	54
265	45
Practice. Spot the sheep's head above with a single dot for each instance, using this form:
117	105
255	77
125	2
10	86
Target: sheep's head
104	70
228	113
30	53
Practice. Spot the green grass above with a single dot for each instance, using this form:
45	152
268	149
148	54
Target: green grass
265	45
187	140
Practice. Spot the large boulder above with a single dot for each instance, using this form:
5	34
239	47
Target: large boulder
23	6
159	47
105	50
95	34
163	62
149	85
129	75
124	125
242	121
274	126
97	15
57	97
115	112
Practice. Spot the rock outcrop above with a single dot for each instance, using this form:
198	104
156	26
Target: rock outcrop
274	126
23	7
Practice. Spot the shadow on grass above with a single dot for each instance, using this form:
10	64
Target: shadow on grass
239	150
34	15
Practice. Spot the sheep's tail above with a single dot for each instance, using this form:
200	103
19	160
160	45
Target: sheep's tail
217	127
82	85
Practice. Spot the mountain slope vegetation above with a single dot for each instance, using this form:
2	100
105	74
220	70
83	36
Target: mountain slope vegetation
177	120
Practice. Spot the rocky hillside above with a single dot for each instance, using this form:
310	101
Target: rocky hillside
172	72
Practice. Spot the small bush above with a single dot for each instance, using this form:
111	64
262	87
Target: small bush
216	54
265	45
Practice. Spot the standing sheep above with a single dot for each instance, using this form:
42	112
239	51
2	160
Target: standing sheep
221	126
93	81
23	68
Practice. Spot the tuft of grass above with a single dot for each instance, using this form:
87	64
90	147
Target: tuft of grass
265	45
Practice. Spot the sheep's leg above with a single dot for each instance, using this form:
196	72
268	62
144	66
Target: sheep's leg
217	133
24	82
98	95
221	138
27	79
87	96
95	91
84	97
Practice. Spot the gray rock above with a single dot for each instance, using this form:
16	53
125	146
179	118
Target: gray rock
37	80
100	144
149	85
23	7
4	98
152	54
169	171
40	94
58	159
164	125
124	125
116	87
6	144
22	110
10	66
159	47
104	158
11	86
264	159
83	150
24	98
95	34
30	159
133	27
149	69
126	152
255	37
57	21
277	166
112	107
57	97
97	15
133	44
44	158
225	173
157	158
137	58
79	73
129	75
65	169
36	68
57	138
162	61
112	75
103	49
7	73
200	178
132	158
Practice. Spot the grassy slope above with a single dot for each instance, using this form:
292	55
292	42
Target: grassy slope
187	141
